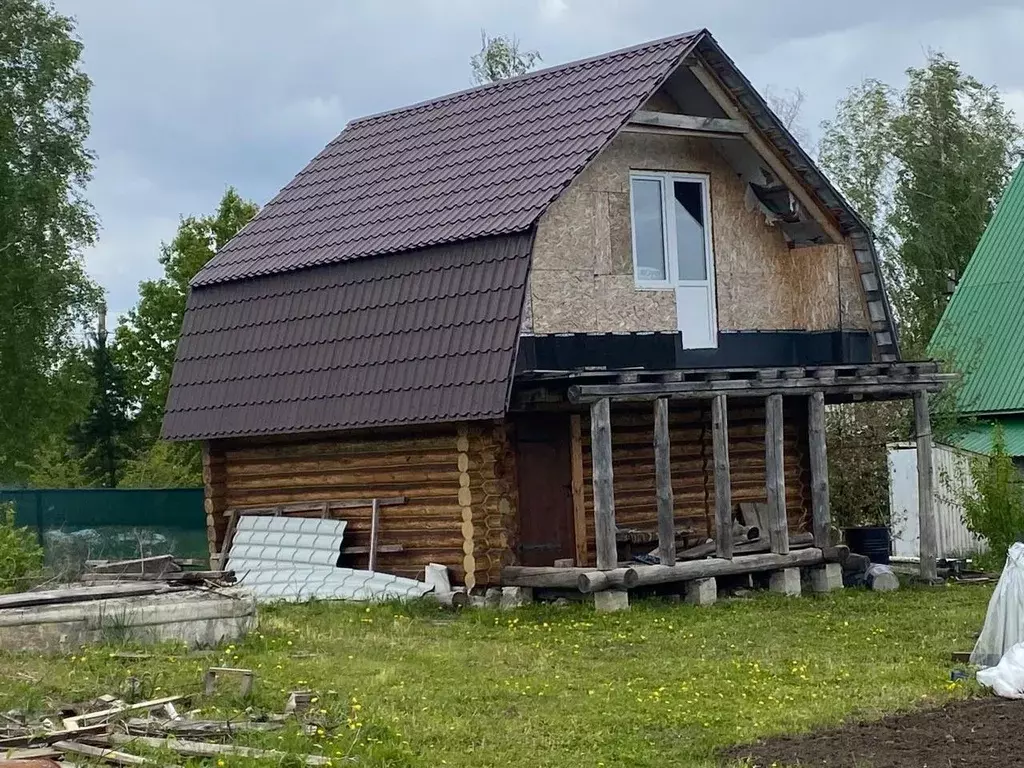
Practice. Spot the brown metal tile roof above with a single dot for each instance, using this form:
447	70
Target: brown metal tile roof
482	162
411	338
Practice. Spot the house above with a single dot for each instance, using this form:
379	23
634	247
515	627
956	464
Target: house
982	330
488	308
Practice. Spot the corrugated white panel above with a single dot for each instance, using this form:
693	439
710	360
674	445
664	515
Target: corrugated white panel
295	558
952	478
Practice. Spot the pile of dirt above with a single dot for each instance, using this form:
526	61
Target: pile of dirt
973	734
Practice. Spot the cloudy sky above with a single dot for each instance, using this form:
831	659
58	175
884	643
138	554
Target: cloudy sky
191	96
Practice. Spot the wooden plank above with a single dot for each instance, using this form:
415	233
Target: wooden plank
382	549
229	535
925	488
579	509
663	484
723	481
604	487
105	754
79	594
157	564
775	475
202	749
707	125
314	507
821	512
374	534
769	154
73	723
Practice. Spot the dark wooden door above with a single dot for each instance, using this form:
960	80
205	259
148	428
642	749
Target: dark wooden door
545	489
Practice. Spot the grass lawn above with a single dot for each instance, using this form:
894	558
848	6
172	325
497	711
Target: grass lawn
664	684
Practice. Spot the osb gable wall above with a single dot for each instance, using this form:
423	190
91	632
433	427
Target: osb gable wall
582	271
693	479
459	510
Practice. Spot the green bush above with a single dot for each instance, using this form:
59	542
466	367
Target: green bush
994	510
21	557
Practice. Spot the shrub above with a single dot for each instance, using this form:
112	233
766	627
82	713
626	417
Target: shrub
994	510
21	557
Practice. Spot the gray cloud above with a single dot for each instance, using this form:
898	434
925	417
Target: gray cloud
192	96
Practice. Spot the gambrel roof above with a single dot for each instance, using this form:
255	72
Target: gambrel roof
385	283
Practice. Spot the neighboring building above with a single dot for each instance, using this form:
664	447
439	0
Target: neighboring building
982	329
447	301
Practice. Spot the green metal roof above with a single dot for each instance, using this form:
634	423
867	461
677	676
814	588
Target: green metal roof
983	325
978	437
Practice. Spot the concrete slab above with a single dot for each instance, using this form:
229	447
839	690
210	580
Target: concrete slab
197	618
610	600
785	582
827	577
515	597
702	592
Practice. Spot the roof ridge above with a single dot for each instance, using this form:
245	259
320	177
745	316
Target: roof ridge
684	37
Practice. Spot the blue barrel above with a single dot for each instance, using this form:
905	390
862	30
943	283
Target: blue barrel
870	541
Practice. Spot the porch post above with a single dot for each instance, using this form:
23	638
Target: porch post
604	489
723	482
775	475
821	510
925	492
663	482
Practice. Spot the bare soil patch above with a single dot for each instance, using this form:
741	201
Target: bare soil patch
983	733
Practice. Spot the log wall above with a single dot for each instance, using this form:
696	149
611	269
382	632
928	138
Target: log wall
693	480
460	504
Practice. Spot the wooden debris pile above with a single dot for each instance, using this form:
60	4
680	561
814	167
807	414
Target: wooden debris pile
112	731
161	568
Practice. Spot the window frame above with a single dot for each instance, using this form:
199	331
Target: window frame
670	244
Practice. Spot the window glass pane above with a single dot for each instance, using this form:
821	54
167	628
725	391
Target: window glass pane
648	230
690	241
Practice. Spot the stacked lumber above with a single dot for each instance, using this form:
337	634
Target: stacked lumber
160	568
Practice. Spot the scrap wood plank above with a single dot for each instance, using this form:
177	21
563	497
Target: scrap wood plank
197	727
80	594
150	565
74	723
203	749
101	753
316	507
35	753
49	738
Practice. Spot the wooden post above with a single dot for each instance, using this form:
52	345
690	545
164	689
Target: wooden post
775	475
604	487
723	483
579	510
663	482
821	511
374	533
925	491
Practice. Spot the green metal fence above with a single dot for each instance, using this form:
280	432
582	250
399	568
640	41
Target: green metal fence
109	524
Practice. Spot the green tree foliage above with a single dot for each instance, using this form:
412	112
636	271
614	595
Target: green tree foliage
500	58
103	438
148	334
164	465
924	165
21	557
995	509
44	221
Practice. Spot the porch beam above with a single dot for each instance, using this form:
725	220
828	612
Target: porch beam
723	481
775	475
925	489
604	487
663	483
694	390
821	508
579	509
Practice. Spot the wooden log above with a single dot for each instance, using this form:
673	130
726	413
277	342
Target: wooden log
553	578
775	475
579	508
449	599
374	533
663	484
604	487
821	513
723	482
714	567
925	491
596	581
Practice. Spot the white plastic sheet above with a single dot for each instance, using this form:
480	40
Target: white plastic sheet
1004	622
1006	678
